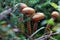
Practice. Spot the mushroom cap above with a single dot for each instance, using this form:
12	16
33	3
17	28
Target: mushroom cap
38	16
55	14
28	11
22	5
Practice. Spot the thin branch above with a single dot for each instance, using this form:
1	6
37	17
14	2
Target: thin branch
44	37
53	38
36	32
9	11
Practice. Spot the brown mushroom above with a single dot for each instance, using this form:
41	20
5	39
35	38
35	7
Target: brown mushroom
37	17
54	14
29	12
22	6
49	26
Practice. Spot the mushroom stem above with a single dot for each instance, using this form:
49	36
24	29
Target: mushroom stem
47	30
35	27
29	27
49	26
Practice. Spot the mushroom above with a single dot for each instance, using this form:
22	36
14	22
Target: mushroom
50	23
36	18
54	14
22	6
28	12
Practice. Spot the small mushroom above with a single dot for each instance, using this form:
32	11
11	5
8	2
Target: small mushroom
54	14
51	22
22	6
36	18
28	12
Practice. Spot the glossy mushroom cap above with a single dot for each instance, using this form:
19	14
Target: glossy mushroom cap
55	14
22	5
28	11
38	16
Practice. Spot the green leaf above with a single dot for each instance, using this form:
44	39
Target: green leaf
51	22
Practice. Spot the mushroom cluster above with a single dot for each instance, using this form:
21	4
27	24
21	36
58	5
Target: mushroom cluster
36	17
27	19
30	12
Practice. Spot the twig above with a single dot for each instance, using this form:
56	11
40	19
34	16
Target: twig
9	11
44	37
36	32
53	38
5	13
